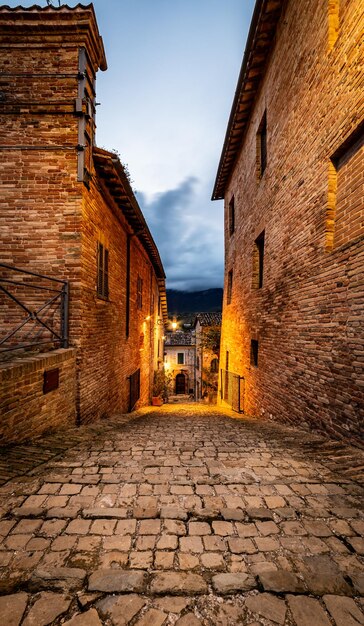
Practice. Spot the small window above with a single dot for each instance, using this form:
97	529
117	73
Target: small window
258	261
262	146
344	213
139	293
254	347
198	362
180	358
229	287
102	287
231	216
214	365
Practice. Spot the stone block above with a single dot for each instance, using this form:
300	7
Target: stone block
115	581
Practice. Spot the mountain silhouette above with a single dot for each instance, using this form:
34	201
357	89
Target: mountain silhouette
187	302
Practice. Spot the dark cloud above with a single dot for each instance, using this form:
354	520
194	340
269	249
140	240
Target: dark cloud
187	229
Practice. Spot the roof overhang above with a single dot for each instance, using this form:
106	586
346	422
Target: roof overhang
260	40
111	171
54	25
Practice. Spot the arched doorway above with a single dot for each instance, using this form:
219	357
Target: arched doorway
180	384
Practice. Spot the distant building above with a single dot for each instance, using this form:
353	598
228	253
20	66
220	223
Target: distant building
292	177
68	212
207	330
179	362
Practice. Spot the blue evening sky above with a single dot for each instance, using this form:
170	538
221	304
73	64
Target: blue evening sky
165	102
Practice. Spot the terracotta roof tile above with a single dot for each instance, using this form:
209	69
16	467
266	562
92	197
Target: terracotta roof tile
209	319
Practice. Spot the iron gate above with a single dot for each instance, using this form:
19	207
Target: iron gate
232	387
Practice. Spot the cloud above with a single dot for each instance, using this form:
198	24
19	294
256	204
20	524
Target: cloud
188	230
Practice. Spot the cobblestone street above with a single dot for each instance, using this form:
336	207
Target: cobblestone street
182	515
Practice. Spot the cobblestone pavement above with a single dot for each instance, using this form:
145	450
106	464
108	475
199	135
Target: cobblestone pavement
183	516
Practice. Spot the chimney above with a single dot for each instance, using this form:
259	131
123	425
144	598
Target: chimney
48	62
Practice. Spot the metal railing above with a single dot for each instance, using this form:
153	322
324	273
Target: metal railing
33	310
134	380
232	387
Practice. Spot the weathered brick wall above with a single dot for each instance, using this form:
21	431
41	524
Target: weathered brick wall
40	208
349	218
50	222
107	357
25	411
308	316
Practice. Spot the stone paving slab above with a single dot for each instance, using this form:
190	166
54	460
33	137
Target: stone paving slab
184	515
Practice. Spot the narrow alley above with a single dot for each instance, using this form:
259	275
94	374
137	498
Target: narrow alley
182	515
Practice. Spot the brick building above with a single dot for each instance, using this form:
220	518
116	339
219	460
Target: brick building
291	174
207	330
68	211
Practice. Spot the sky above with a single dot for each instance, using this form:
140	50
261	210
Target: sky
165	101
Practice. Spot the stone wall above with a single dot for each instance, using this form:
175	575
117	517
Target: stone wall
308	315
188	368
25	410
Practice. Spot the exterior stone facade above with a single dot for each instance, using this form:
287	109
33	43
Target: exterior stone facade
180	362
26	411
291	174
67	208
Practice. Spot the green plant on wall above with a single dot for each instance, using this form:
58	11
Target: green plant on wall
162	381
210	339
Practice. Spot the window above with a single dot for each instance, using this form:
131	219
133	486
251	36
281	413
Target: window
214	365
262	146
198	362
229	287
344	221
102	287
254	347
139	293
231	216
258	261
180	358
